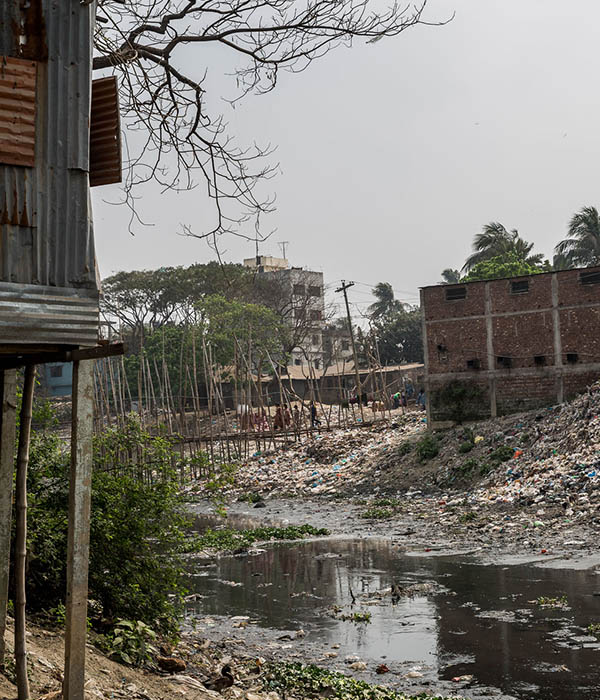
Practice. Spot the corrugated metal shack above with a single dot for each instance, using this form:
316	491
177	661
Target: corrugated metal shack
48	279
58	136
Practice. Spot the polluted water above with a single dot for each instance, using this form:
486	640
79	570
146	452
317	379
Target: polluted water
428	622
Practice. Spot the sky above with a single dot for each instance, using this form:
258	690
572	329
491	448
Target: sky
393	155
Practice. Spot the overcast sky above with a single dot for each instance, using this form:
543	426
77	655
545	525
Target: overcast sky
393	155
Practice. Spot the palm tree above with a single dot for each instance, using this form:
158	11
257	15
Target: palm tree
495	241
386	302
450	276
582	248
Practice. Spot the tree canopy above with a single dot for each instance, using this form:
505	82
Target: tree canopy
582	246
501	266
495	241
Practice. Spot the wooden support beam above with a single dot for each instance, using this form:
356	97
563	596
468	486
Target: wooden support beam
8	414
21	533
40	358
80	491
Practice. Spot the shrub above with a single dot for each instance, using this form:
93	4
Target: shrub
501	454
404	449
377	514
465	447
137	537
427	447
129	642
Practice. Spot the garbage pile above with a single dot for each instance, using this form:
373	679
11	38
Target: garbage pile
325	463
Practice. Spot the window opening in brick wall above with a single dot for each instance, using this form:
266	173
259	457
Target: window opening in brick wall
504	362
572	358
474	364
315	315
519	287
297	362
589	277
454	293
56	371
539	360
315	340
299	290
314	291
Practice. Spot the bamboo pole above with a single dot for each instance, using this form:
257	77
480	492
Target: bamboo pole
8	397
21	533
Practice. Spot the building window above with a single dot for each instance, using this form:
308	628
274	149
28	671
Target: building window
504	362
315	315
56	371
299	290
592	277
454	293
300	313
317	364
297	362
519	287
474	364
539	360
315	340
314	291
572	358
345	345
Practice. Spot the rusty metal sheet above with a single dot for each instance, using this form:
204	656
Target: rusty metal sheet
17	111
105	133
35	314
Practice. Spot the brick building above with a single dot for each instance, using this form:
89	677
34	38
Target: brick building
509	345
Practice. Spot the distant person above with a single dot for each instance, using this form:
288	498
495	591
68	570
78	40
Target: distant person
287	417
421	399
278	421
403	400
314	420
296	417
396	399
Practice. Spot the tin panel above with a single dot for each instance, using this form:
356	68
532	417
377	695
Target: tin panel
34	314
17	111
105	133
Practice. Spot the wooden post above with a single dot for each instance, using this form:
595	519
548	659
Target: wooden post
21	532
80	491
8	406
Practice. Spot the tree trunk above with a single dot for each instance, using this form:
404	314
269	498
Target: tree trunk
21	533
8	405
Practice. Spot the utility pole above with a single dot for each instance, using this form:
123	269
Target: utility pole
343	288
283	245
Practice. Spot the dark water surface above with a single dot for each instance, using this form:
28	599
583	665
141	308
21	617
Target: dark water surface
472	618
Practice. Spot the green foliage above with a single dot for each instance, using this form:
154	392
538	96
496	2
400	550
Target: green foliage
228	539
467	517
375	513
594	629
458	401
250	498
129	642
138	527
313	682
428	447
403	449
356	617
502	266
501	454
465	447
582	246
495	241
399	336
392	502
552	602
468	466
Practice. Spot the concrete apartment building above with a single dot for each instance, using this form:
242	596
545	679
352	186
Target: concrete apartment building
509	345
306	306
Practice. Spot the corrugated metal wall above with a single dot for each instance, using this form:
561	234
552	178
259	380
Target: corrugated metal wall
45	214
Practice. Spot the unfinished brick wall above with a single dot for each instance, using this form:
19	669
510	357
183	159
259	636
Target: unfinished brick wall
514	344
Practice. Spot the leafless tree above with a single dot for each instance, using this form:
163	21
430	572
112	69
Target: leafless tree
165	95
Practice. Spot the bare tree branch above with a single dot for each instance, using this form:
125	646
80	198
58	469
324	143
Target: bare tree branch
144	41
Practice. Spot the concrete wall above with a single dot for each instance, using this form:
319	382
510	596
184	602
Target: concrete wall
548	335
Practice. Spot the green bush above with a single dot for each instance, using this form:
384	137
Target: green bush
138	529
428	447
465	447
501	454
129	642
403	449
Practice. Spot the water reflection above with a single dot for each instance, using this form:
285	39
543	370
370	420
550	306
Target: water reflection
477	620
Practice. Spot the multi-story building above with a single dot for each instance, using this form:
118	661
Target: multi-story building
301	303
509	345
